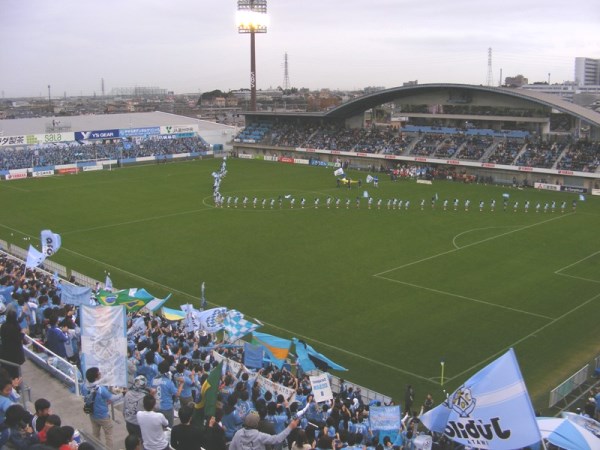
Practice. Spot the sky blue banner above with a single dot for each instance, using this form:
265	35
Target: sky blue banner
385	417
75	295
491	410
143	131
104	343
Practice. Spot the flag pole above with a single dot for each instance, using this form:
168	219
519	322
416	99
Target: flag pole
442	377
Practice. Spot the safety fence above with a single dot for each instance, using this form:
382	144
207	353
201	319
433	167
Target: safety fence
575	381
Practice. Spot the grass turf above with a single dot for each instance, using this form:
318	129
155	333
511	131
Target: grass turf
389	294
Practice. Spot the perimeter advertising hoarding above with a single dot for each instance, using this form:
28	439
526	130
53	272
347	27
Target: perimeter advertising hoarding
143	131
98	134
176	129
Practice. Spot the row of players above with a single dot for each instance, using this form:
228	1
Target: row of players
229	202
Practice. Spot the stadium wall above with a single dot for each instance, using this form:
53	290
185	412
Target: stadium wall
571	181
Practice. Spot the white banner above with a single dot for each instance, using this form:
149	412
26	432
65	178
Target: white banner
419	181
233	366
42	173
321	388
104	343
245	156
301	161
595	191
91	168
546	186
276	389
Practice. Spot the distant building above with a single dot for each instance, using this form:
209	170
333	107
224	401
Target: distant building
587	71
516	81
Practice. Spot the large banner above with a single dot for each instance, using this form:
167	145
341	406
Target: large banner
104	343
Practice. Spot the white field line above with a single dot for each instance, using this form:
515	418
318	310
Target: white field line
577	262
475	300
470	245
457	247
578	278
130	222
532	334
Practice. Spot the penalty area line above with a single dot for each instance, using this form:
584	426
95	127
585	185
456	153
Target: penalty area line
463	297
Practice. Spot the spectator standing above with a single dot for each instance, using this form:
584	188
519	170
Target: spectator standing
152	425
249	438
12	343
100	417
165	391
184	436
57	338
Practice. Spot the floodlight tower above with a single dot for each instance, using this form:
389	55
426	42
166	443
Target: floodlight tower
252	18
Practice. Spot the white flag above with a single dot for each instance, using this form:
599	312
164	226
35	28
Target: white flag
339	172
34	257
369	179
50	242
108	283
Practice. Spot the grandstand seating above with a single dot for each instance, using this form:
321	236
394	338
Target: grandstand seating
57	154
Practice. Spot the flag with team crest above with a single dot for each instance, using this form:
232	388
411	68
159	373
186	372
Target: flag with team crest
211	320
236	326
491	410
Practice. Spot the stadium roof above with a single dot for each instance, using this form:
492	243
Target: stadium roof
360	104
15	127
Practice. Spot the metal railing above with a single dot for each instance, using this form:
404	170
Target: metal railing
52	363
569	385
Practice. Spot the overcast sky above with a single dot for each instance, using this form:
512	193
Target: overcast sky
193	45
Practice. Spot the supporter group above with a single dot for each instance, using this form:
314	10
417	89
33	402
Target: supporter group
168	369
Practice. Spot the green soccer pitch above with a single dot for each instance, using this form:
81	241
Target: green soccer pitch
389	294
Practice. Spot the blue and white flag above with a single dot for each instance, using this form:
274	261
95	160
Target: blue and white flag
236	326
104	342
491	410
369	179
211	320
506	195
75	295
34	257
582	197
339	172
51	242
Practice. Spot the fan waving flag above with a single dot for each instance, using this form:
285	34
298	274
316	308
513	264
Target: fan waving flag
34	257
236	326
51	242
309	359
207	405
133	299
276	348
173	314
491	410
211	320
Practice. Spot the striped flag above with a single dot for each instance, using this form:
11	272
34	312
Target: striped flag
236	326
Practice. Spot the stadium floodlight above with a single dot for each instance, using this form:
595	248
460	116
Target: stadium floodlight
252	18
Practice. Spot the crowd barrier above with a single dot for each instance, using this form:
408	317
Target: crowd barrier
575	381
